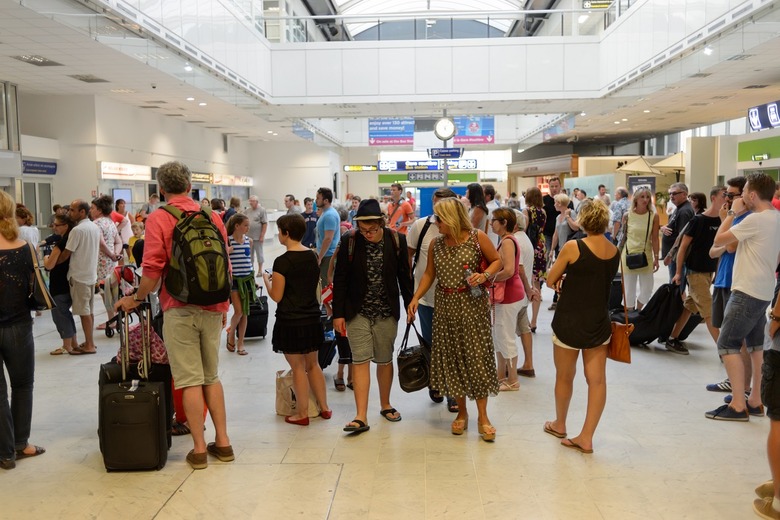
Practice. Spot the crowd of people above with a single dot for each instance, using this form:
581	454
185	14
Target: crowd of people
471	273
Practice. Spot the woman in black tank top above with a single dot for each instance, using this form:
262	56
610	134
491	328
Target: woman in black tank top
582	275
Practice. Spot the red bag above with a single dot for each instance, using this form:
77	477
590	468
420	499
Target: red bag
135	346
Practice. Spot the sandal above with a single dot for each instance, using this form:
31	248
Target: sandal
339	383
507	387
180	429
459	426
452	405
59	351
242	352
386	413
20	454
230	346
360	428
487	431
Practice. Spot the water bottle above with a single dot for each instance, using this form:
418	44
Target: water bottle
476	292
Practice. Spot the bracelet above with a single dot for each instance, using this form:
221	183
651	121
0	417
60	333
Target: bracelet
773	317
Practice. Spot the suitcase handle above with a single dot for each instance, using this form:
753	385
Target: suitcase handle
144	315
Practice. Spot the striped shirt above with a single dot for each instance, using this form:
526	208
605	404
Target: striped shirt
241	257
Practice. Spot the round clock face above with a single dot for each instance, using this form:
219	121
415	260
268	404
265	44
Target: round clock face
444	128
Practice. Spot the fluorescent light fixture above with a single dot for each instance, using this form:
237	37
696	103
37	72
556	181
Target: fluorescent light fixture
190	98
708	51
583	18
520	150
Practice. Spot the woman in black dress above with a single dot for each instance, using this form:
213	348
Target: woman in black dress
298	331
581	321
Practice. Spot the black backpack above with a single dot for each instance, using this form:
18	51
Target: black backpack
198	271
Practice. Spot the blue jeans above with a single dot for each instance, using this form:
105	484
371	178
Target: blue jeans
425	313
744	319
17	353
62	316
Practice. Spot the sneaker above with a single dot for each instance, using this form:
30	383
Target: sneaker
755	411
727	413
727	399
198	460
763	508
766	490
676	346
723	386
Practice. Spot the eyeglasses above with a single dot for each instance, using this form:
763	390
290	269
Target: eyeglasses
675	193
61	224
369	231
733	195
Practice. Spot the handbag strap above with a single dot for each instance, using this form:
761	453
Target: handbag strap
623	290
647	231
34	255
405	341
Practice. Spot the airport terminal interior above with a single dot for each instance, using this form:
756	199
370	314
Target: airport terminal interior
276	97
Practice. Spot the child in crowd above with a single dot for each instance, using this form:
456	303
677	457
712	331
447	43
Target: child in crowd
138	234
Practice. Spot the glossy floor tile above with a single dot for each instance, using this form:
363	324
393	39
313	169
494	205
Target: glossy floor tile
656	456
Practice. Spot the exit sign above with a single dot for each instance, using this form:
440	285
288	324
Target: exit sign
596	4
761	157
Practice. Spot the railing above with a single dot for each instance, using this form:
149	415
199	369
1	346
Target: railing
430	25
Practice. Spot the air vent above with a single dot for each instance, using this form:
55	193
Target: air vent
88	78
213	127
148	106
700	75
698	104
122	91
34	59
739	57
755	86
175	115
197	121
539	101
720	97
157	102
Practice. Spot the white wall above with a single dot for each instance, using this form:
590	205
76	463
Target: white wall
701	162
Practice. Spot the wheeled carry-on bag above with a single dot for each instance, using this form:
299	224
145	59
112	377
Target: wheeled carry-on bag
257	320
132	426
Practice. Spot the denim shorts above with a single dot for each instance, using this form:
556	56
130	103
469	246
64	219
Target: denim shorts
720	297
744	319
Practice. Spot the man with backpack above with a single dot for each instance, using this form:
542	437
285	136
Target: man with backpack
194	299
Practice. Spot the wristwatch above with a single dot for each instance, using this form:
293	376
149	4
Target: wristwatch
135	298
730	213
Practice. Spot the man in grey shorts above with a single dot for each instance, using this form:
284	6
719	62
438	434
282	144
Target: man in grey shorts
82	249
372	270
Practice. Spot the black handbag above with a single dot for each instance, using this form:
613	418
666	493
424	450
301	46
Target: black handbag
414	363
638	260
40	298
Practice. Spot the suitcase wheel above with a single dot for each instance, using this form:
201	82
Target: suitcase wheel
109	332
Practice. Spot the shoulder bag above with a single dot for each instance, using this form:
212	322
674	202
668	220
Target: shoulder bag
638	260
40	298
498	289
619	348
414	363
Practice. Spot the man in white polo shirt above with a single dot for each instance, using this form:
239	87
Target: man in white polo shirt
82	248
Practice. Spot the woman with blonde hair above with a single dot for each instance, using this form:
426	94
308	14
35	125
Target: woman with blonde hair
17	348
535	218
463	363
582	275
641	223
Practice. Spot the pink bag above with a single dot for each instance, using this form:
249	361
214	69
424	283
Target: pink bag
135	345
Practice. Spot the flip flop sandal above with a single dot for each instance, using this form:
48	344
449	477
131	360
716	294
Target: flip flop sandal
20	454
388	412
180	429
452	405
568	443
549	429
339	384
58	351
360	428
230	346
242	352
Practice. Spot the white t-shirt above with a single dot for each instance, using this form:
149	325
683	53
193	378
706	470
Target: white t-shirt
756	260
492	206
84	246
412	241
526	256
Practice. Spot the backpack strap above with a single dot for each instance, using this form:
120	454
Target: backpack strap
419	243
351	243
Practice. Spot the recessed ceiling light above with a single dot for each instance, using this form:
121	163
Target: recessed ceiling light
582	113
624	119
646	111
188	67
617	122
202	104
275	133
190	98
708	51
270	132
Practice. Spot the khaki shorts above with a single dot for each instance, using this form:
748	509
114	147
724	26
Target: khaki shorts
372	340
523	325
699	298
83	297
192	340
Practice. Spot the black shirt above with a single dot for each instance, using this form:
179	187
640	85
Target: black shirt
58	276
677	221
702	231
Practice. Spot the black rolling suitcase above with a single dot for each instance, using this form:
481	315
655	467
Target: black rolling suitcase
257	320
657	318
132	426
328	348
616	293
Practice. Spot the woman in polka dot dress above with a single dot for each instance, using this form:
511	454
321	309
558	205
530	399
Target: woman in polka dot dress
462	362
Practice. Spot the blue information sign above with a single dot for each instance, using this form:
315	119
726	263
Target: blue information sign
384	131
39	167
445	153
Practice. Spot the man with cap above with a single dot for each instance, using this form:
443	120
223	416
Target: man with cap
372	270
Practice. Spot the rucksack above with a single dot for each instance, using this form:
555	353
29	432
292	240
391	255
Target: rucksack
198	271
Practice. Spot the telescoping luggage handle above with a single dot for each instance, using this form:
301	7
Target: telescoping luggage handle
144	316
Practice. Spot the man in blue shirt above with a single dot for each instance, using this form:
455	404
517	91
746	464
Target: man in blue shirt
327	228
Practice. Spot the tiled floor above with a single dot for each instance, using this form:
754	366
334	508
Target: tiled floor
656	456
